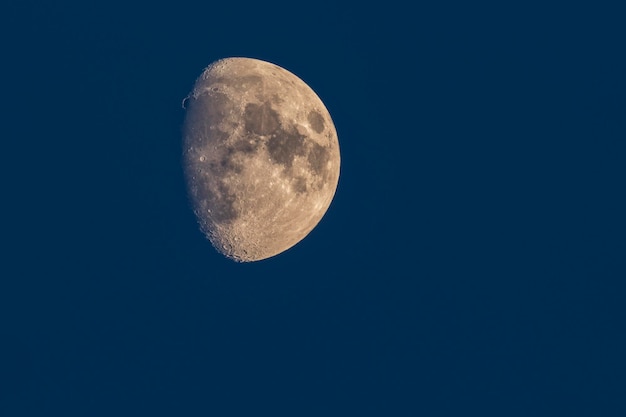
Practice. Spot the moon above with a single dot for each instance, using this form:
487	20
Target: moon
260	155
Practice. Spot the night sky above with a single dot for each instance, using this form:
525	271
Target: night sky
472	262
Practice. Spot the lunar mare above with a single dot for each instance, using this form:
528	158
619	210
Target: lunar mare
261	157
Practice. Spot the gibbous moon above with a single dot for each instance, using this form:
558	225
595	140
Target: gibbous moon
261	157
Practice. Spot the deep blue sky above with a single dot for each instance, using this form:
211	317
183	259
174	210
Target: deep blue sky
472	262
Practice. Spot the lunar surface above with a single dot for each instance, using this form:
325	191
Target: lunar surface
261	157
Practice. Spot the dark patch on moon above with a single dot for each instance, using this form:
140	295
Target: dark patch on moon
261	119
228	165
316	121
284	146
318	158
299	185
246	145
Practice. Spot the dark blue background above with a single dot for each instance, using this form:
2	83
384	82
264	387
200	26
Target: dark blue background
472	262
